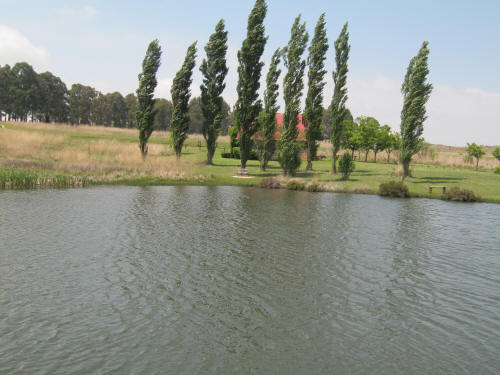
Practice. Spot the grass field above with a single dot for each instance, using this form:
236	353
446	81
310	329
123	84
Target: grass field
44	155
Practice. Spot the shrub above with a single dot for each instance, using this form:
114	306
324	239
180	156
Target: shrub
235	154
457	194
394	189
270	183
346	165
295	185
496	170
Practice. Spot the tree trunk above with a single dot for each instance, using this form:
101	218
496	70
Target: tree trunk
366	155
477	163
375	158
309	156
388	157
406	169
334	162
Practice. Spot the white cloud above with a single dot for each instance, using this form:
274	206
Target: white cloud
455	116
86	12
15	47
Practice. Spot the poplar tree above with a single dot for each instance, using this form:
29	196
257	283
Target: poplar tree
180	100
214	72
416	92
313	113
248	105
339	99
147	83
292	89
267	118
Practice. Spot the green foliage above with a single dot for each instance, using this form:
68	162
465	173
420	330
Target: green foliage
346	165
339	92
496	170
314	187
267	118
313	112
235	154
196	118
292	88
80	103
416	92
27	179
248	105
457	194
295	185
180	100
475	151
396	189
369	129
145	102
164	110
214	71
496	153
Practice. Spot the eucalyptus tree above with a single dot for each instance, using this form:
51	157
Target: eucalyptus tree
214	71
145	103
416	91
292	88
248	105
131	102
267	118
53	105
313	113
180	100
339	99
80	100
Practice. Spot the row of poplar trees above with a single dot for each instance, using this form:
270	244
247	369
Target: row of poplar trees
254	120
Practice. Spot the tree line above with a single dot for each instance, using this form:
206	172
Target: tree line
254	121
26	95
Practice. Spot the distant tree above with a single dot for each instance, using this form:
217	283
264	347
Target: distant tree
496	153
180	99
163	109
352	137
80	103
339	92
25	91
267	118
382	140
117	110
131	102
214	71
292	88
393	145
99	110
195	115
327	121
6	85
313	111
248	105
368	127
147	83
416	92
228	118
53	105
475	151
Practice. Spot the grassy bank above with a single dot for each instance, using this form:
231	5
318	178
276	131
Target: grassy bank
43	155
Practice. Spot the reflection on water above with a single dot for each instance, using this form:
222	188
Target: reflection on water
225	280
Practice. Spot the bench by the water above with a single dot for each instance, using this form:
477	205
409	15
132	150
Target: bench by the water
242	172
437	187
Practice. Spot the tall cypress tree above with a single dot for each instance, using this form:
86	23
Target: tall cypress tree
292	87
180	100
313	113
214	72
339	99
147	83
416	92
248	106
267	118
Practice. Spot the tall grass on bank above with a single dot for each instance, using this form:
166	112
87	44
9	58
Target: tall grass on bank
26	179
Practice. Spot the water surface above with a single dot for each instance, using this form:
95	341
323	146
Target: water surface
226	280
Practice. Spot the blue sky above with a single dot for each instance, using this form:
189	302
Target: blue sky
102	43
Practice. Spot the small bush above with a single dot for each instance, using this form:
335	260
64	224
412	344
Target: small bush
394	189
295	185
457	194
496	170
270	183
235	154
346	165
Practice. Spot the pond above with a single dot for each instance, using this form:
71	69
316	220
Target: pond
226	280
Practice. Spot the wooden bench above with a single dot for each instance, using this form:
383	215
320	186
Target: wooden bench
242	172
437	187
